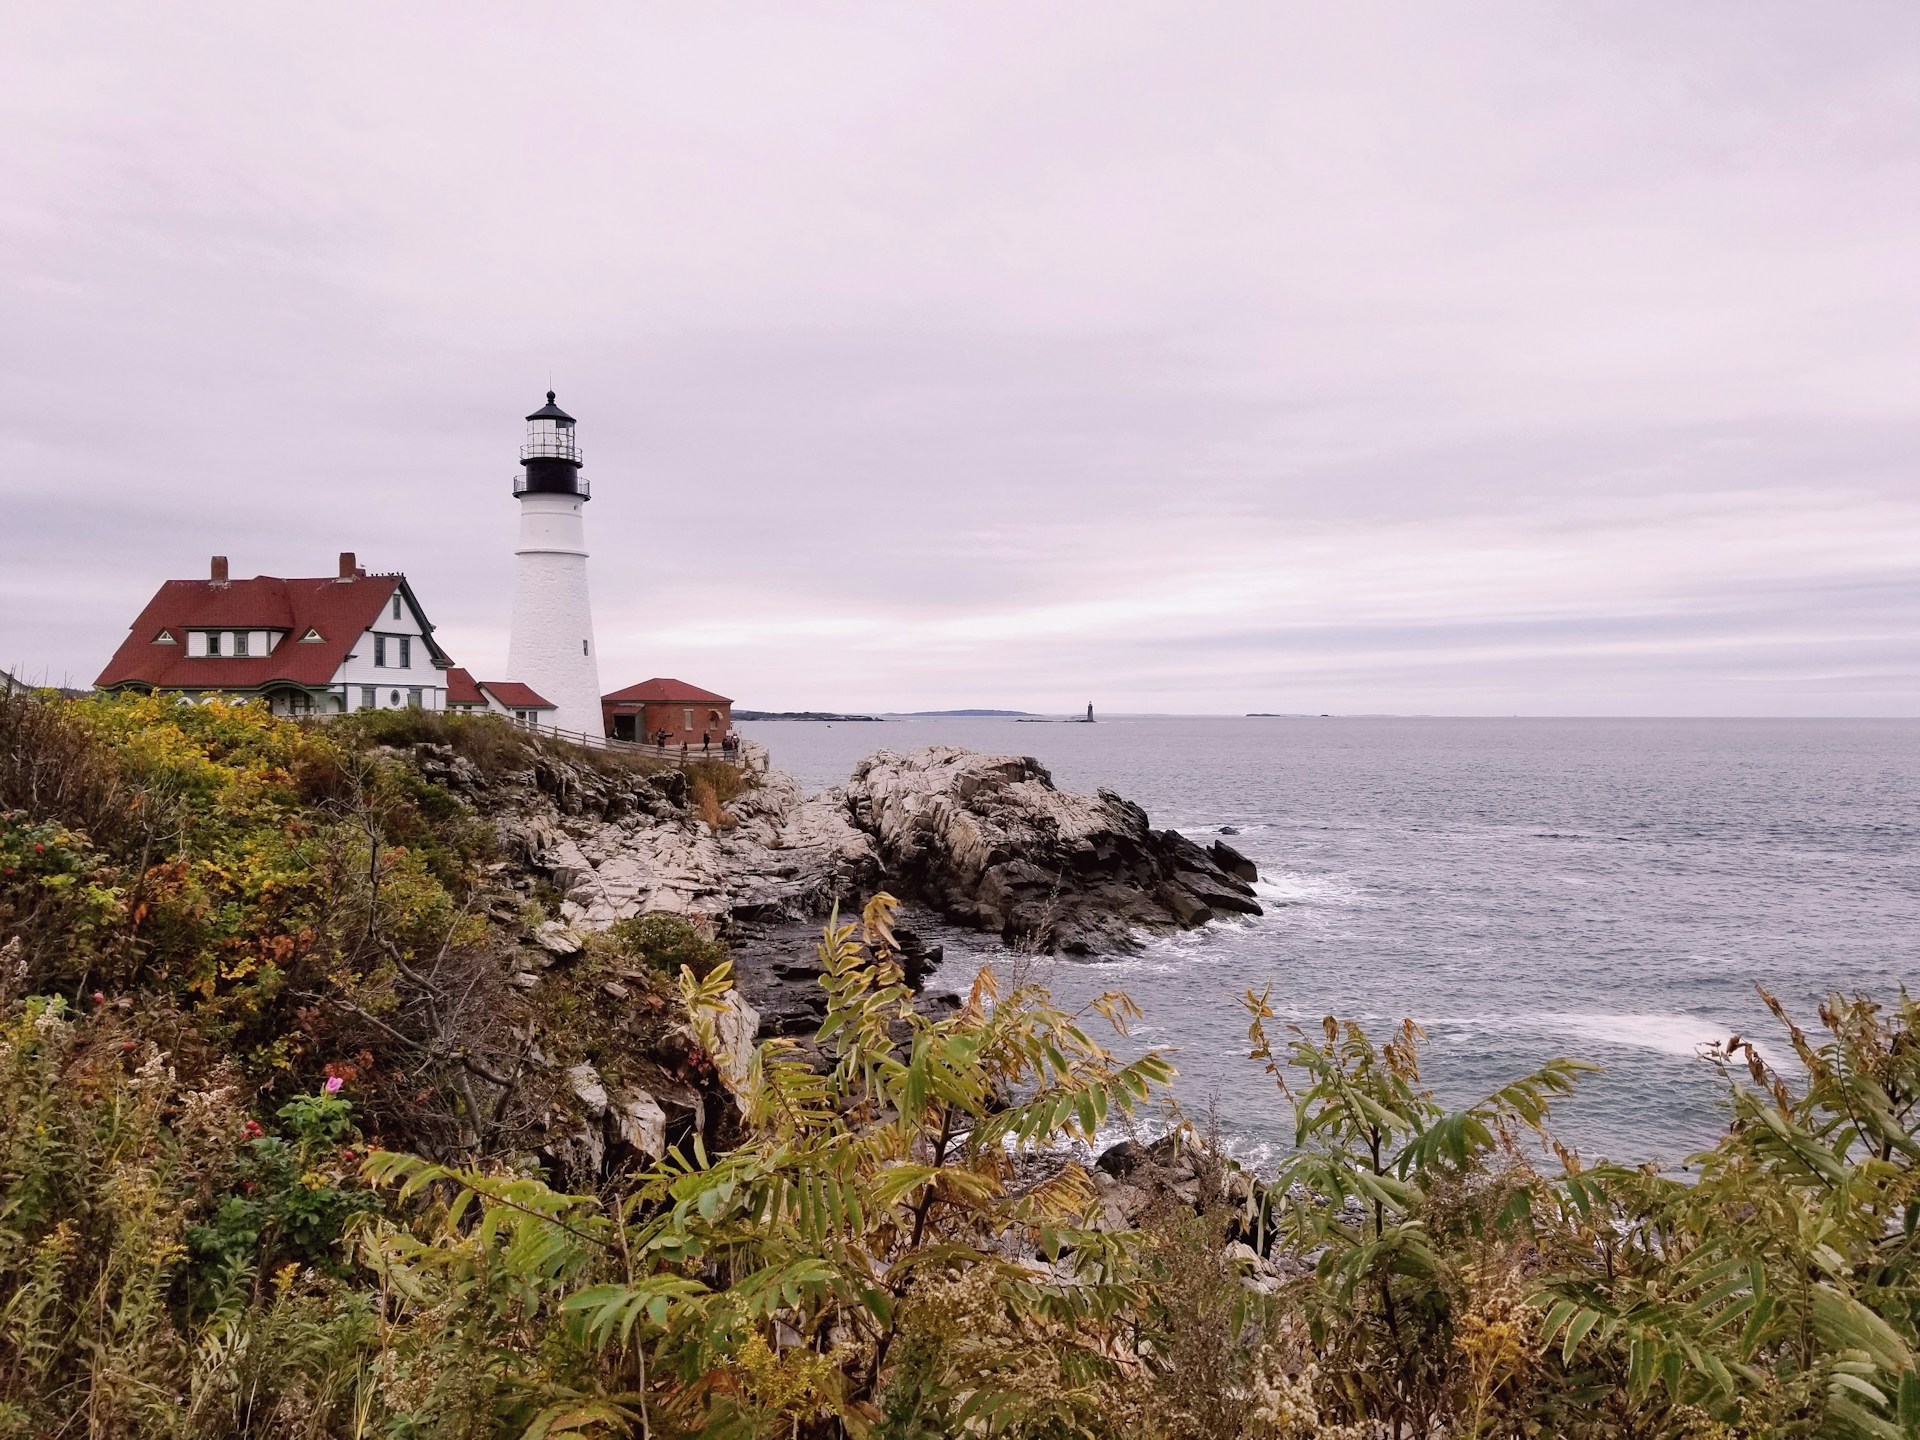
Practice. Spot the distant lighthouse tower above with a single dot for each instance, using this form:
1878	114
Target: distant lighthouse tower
551	647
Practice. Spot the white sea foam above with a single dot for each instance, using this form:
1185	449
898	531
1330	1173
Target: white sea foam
1291	887
1683	1036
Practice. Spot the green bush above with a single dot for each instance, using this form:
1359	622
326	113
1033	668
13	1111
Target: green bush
163	1258
664	943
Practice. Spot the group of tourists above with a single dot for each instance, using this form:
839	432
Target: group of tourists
729	743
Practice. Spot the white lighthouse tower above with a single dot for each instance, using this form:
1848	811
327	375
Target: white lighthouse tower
551	647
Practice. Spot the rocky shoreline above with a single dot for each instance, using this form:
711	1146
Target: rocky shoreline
985	843
982	841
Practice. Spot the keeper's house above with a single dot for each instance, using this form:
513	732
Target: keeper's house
685	713
350	641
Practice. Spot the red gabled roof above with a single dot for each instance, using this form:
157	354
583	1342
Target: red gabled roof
665	692
515	696
462	689
338	610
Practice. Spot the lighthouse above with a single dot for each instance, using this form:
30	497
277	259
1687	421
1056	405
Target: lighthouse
551	646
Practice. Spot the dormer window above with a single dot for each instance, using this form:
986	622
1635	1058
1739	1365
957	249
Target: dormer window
165	637
240	645
312	637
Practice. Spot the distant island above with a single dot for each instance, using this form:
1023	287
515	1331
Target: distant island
825	715
941	714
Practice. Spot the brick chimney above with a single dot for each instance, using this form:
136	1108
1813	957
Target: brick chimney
347	565
219	569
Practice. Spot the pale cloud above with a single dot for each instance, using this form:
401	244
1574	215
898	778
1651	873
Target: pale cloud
1382	357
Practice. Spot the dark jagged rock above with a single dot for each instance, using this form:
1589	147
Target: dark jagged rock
1233	862
989	842
776	971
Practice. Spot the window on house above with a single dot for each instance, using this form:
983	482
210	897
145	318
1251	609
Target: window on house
413	698
687	718
240	646
380	651
583	647
406	652
213	642
396	604
394	699
367	698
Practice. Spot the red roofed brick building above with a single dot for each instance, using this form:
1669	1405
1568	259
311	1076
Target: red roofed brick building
683	713
350	641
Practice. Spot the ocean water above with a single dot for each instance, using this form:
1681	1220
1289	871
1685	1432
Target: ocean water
1608	889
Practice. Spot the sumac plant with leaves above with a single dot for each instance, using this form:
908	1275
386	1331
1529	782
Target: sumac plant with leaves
869	1259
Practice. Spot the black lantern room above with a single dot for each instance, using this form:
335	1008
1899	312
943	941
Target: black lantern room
550	460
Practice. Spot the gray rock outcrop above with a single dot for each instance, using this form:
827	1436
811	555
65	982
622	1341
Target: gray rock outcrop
782	856
988	841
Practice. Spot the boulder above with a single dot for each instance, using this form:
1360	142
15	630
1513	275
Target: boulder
1233	862
639	1123
738	1027
1189	909
1121	1207
990	842
558	940
585	1083
1122	1159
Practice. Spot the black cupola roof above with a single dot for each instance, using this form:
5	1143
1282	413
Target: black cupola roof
550	411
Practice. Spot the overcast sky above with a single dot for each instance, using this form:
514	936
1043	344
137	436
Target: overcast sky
1480	358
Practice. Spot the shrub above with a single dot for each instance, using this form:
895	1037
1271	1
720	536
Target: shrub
665	943
727	783
844	1270
138	1217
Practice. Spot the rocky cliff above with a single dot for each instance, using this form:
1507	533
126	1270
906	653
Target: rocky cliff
988	841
